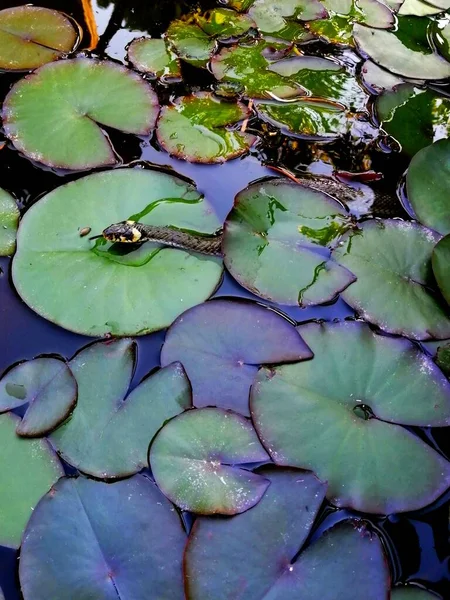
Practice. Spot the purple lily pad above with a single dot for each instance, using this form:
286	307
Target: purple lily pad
47	386
196	461
221	343
88	539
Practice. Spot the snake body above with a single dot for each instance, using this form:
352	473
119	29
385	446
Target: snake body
134	232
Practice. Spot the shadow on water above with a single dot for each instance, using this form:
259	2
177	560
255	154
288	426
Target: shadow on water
418	543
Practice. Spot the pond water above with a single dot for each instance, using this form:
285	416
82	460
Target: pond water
417	543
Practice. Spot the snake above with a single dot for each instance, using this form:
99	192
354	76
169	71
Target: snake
132	232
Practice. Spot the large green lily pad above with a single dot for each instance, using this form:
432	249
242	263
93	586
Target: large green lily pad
388	50
221	343
47	386
427	184
198	129
31	36
196	461
88	539
28	469
392	263
91	291
9	220
277	239
441	266
340	415
406	104
120	431
53	116
154	57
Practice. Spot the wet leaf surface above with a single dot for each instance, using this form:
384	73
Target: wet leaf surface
222	342
199	129
280	19
394	288
196	461
9	220
345	426
54	115
152	56
31	36
47	386
190	42
103	541
277	239
96	293
441	266
224	24
120	429
28	469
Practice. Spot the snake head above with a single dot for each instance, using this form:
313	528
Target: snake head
124	232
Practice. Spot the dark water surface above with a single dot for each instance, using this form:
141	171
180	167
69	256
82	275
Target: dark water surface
417	544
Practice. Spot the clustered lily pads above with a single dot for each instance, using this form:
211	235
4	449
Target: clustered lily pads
206	479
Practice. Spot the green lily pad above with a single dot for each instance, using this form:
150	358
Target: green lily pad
277	239
378	80
53	116
441	266
427	184
441	38
280	19
190	42
116	442
398	54
153	56
197	129
309	119
47	386
223	23
411	593
443	358
9	220
91	292
28	469
196	457
88	539
248	553
222	342
418	9
392	263
346	426
31	36
428	110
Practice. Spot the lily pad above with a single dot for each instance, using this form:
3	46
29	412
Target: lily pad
47	386
196	128
392	263
394	53
9	220
441	38
443	358
31	36
378	80
280	19
190	42
346	426
116	442
428	110
227	558
53	116
102	541
196	461
222	342
92	293
28	468
411	593
319	120
224	24
418	8
441	266
154	57
427	184
277	239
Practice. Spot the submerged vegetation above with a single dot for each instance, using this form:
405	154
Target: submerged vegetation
288	413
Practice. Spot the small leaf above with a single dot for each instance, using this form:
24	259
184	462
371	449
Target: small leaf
443	358
9	220
88	539
31	36
190	42
196	457
224	24
222	342
152	56
47	386
28	468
